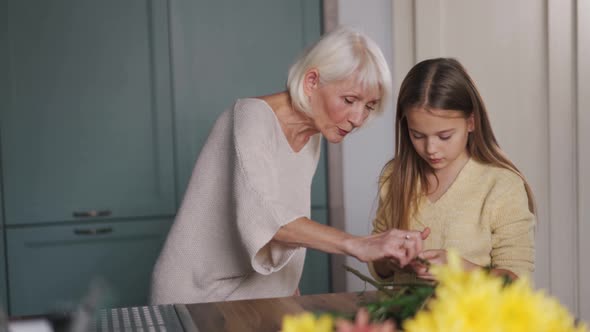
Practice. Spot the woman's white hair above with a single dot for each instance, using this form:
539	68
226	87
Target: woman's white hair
337	56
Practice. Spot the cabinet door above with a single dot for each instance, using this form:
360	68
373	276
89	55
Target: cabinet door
51	267
85	117
227	49
3	298
319	185
3	101
316	272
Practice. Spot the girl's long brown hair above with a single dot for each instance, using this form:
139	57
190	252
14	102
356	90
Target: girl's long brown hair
436	84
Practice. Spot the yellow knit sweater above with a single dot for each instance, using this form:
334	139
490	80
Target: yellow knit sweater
484	215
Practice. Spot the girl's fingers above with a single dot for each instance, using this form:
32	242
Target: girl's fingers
429	254
427	277
421	269
425	233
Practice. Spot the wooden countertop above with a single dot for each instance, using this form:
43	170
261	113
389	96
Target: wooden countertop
263	315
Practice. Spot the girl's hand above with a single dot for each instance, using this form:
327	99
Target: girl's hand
428	258
434	257
397	245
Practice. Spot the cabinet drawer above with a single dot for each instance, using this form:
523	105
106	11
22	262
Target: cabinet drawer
86	119
51	267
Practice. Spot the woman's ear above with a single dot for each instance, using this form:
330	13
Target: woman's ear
311	80
471	122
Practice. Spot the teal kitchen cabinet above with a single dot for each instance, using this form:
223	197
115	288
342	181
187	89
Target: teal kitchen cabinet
3	104
316	272
52	267
225	49
87	148
319	185
86	125
3	298
3	289
316	277
104	106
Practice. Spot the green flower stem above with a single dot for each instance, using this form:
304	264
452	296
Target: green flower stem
378	285
398	304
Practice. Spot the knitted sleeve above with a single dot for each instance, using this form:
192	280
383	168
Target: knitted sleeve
512	227
259	214
382	220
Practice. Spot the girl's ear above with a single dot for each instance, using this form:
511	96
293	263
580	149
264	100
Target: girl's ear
311	80
471	122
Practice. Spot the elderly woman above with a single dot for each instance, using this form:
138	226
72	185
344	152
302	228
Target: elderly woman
243	226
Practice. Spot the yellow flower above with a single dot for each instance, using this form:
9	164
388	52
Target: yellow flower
521	309
307	322
471	301
476	301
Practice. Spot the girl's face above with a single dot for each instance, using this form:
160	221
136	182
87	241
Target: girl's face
339	107
439	136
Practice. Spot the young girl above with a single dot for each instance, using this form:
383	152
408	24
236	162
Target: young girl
450	177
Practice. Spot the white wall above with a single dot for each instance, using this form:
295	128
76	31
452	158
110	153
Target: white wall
529	60
583	144
365	152
503	46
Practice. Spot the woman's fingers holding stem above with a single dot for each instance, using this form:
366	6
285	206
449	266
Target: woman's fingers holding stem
406	245
400	246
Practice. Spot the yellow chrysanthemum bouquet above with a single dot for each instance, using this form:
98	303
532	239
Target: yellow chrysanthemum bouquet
470	301
477	301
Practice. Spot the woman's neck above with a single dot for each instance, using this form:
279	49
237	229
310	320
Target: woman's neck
297	126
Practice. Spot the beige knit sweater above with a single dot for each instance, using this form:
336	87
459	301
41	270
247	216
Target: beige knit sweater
246	184
484	215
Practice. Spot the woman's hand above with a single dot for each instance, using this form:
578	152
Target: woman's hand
394	245
434	257
397	245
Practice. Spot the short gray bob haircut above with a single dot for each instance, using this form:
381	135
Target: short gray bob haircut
338	55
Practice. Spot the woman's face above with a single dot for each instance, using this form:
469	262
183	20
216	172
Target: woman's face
439	136
339	107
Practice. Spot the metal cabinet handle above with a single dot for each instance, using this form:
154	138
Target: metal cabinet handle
93	231
91	213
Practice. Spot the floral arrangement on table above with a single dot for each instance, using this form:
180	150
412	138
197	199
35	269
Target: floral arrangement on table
462	301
